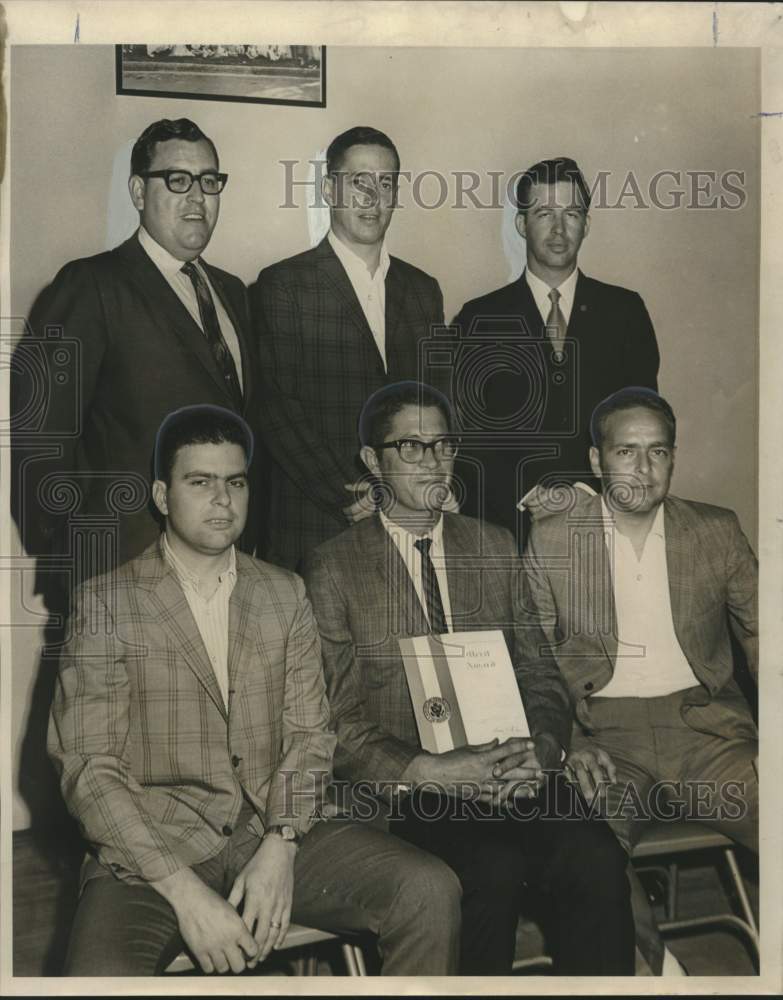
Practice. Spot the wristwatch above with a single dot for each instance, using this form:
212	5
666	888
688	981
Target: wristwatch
285	832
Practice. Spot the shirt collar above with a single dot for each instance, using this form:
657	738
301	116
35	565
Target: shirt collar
354	264
436	532
658	526
187	577
541	290
161	258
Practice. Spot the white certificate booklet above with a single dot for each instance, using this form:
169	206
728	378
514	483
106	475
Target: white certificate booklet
463	689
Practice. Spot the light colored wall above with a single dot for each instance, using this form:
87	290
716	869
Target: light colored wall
447	110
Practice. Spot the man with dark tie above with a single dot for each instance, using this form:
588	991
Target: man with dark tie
541	353
332	325
150	326
409	570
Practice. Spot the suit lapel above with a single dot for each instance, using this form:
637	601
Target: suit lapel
166	308
334	272
168	605
395	311
396	585
594	581
680	563
241	629
461	542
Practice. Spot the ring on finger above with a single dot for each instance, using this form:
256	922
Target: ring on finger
274	923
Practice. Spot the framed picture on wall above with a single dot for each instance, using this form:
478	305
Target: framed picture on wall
259	74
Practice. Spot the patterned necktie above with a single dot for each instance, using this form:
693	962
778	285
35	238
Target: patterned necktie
429	579
211	328
555	323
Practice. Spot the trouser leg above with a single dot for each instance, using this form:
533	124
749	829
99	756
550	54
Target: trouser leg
121	930
351	877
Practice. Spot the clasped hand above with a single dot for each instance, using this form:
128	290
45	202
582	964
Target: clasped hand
212	927
500	770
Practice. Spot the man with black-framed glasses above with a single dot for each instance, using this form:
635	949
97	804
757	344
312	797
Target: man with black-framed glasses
332	325
145	328
410	570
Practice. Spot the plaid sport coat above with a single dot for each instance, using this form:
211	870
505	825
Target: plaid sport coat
365	601
319	364
151	763
570	615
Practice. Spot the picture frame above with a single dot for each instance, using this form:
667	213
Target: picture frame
255	74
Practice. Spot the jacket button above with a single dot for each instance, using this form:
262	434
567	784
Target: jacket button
589	686
236	761
227	831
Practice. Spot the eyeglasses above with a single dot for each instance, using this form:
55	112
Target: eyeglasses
181	181
411	450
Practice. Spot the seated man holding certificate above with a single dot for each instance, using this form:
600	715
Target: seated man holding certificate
415	591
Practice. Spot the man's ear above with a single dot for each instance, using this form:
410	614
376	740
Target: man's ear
370	459
136	189
595	461
587	225
160	496
521	223
328	190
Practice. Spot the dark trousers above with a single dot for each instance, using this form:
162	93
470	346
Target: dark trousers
550	843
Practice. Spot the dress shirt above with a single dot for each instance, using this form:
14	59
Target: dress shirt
171	269
370	289
405	541
211	614
652	662
540	291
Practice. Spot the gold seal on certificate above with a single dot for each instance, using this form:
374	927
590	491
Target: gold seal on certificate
463	689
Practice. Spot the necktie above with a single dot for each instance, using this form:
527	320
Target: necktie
435	611
211	328
555	323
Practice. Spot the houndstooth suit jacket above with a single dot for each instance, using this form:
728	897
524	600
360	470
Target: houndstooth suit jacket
570	617
152	764
319	364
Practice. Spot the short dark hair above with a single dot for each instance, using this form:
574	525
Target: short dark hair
201	424
359	135
181	128
628	399
551	172
383	406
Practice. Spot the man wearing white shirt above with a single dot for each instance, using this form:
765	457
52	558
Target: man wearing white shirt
332	325
126	337
410	570
632	595
541	353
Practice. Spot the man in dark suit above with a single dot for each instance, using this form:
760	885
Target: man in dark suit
410	570
129	335
190	731
332	325
535	357
632	595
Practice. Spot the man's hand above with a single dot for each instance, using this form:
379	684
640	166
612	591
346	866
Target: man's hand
479	765
265	887
593	770
363	506
543	502
210	927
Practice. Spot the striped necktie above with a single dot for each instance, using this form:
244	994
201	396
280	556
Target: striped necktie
211	328
432	596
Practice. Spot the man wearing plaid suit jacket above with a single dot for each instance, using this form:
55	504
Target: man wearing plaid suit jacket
369	588
189	727
631	594
332	325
